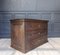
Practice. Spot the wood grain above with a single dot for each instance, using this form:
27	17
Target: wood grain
27	34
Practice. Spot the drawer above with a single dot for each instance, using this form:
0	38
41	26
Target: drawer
30	32
36	34
33	26
36	42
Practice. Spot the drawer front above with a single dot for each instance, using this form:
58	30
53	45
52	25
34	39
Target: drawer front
33	26
36	34
36	42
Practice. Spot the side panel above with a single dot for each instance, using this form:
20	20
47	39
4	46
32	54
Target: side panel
17	36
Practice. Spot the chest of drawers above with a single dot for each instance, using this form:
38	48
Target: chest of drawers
27	34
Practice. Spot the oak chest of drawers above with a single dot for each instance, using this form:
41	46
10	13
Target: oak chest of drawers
27	34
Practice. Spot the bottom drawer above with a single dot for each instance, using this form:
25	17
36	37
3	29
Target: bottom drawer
36	42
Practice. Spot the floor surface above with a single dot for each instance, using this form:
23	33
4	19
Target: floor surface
50	48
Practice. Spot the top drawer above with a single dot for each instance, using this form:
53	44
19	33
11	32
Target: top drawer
35	25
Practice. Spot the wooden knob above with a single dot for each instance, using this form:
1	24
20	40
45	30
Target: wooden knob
39	25
39	33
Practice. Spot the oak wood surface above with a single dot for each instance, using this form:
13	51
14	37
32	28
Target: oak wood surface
27	34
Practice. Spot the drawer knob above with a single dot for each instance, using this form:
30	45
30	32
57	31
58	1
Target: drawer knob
39	33
39	25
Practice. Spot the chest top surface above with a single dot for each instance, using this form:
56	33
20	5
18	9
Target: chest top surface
28	20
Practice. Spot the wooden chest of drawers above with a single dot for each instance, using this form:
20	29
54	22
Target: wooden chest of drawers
27	34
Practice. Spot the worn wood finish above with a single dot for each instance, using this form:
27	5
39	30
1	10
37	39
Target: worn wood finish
27	34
